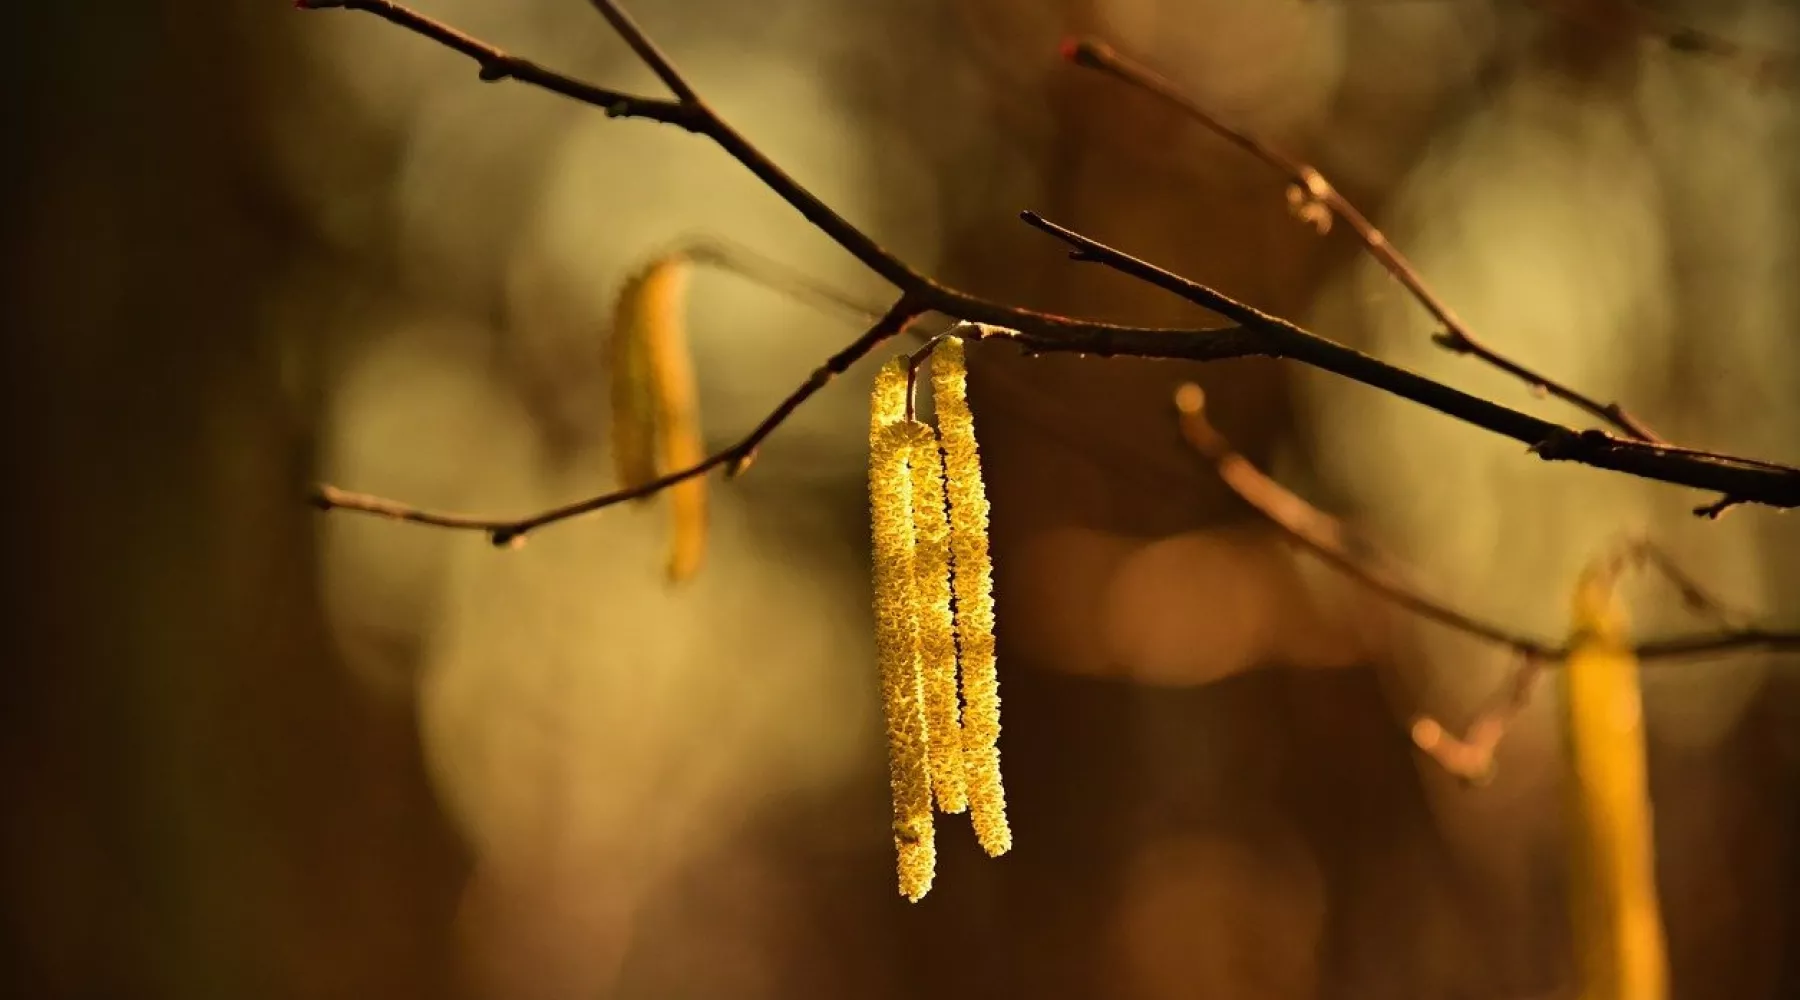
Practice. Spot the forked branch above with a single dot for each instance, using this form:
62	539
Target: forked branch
1316	199
1550	441
1256	333
1471	755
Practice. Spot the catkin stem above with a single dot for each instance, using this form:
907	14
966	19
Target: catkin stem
973	585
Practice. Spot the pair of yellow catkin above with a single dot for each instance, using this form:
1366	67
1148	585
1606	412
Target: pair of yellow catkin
929	518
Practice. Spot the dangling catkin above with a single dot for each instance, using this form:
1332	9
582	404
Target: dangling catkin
1620	953
896	629
655	414
974	598
937	630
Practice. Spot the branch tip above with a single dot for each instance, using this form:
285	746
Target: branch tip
1713	511
1471	761
1448	341
1190	399
1427	733
1086	52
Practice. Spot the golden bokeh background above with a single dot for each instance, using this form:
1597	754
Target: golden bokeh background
256	751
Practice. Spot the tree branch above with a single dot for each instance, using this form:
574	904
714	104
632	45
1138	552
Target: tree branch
734	459
1038	332
777	276
1325	536
1744	479
1759	65
496	65
1470	756
1310	193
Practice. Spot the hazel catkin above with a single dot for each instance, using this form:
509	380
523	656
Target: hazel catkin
973	587
1620	947
896	630
937	628
655	408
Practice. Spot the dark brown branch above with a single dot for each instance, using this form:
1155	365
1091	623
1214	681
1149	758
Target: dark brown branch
1470	756
498	65
698	117
1324	536
648	53
1746	479
1310	192
1257	335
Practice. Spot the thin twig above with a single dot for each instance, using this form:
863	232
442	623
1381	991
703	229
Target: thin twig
1326	537
734	459
777	276
1645	554
1257	334
496	65
923	354
1760	65
1315	198
1471	755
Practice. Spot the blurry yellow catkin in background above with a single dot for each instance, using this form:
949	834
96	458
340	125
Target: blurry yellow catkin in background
973	586
1615	917
891	440
655	406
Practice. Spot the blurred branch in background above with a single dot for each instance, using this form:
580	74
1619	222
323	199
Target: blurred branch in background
1316	201
1257	334
1758	64
260	752
1471	756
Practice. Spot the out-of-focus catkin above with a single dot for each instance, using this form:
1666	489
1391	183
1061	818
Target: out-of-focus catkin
896	629
973	587
1620	949
937	628
655	408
